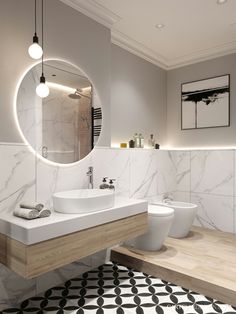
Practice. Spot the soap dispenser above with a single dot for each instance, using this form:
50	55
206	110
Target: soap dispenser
111	184
104	184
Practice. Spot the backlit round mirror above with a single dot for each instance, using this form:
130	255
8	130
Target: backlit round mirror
64	126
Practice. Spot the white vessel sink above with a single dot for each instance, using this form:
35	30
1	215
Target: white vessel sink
83	201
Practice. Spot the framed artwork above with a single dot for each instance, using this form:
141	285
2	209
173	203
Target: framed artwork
206	103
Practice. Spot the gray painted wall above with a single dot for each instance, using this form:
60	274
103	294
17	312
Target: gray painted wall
138	97
69	35
225	136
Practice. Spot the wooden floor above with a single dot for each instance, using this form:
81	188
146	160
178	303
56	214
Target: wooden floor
204	262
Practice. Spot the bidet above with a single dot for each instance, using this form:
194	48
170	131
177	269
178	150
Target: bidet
184	216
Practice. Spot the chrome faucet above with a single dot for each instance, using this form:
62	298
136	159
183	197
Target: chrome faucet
90	177
167	198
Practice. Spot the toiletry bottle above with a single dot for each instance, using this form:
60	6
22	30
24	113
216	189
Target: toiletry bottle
136	140
141	141
111	184
131	144
104	184
151	141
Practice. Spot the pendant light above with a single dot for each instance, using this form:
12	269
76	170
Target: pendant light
42	89
35	51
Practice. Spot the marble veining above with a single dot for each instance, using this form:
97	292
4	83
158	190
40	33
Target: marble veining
16	184
182	164
143	174
212	172
114	164
166	172
214	211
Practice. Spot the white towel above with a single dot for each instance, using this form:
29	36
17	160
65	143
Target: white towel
32	205
26	213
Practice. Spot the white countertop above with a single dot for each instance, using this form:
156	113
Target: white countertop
38	230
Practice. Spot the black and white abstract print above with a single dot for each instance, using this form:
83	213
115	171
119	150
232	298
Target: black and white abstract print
115	289
206	103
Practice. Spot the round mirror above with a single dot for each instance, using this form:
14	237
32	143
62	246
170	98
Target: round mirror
64	126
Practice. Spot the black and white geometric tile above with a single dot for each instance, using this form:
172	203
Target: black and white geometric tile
113	288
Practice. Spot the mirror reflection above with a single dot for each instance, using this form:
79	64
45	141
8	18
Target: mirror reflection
65	126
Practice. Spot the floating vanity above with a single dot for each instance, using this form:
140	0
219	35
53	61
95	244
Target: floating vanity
32	248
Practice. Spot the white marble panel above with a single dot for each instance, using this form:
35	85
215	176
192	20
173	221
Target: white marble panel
182	165
17	183
17	180
114	164
214	211
166	172
61	275
14	289
181	196
143	173
99	258
54	178
212	172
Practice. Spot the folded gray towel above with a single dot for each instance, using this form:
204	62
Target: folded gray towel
44	213
26	213
32	205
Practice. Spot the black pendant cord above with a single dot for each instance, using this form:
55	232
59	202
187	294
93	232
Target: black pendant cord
42	38
35	17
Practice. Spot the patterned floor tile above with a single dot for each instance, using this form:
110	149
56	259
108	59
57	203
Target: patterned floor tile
115	289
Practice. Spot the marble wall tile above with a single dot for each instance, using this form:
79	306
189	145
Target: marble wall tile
52	178
114	164
181	196
214	211
166	172
182	165
16	184
143	173
14	289
212	172
63	274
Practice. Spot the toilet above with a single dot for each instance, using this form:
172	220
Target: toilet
159	222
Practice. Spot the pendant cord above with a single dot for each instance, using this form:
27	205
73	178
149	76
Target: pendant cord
42	37
35	17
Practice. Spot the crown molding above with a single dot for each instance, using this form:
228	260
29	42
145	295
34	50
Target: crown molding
95	11
106	17
137	48
203	55
144	52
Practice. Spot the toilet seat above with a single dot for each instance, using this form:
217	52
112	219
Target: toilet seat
159	211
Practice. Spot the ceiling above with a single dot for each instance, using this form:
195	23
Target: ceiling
195	30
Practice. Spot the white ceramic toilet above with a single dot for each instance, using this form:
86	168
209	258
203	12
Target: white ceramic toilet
160	219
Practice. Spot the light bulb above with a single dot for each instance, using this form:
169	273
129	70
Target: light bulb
35	50
42	89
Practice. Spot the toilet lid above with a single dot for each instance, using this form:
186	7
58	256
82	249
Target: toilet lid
161	211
